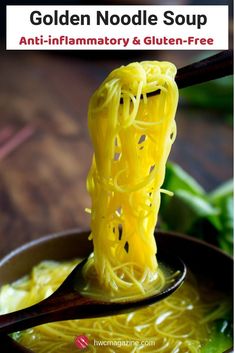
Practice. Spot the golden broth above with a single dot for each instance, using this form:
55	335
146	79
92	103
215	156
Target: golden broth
179	324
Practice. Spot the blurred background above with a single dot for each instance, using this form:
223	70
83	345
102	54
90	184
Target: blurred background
45	150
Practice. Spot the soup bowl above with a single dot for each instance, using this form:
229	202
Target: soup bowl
205	260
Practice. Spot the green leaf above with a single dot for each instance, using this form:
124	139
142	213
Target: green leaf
215	221
222	192
184	209
225	236
217	95
218	344
16	335
176	178
192	211
221	338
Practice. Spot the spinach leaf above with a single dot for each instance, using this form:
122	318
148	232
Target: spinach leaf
194	212
221	338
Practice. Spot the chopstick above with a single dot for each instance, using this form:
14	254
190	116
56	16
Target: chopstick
211	68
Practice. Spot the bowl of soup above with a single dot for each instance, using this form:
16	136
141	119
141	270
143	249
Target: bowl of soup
196	318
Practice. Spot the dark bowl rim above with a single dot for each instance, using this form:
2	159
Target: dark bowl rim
51	236
63	233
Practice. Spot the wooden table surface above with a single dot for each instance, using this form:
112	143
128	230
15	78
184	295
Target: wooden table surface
43	180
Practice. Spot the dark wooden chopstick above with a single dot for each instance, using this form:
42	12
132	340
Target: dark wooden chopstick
211	68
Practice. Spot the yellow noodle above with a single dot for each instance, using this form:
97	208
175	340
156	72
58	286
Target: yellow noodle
132	138
127	165
183	321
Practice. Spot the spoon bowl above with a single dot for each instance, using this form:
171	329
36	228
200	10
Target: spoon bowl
208	263
67	302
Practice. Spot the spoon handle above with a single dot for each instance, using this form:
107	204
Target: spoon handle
54	308
9	345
